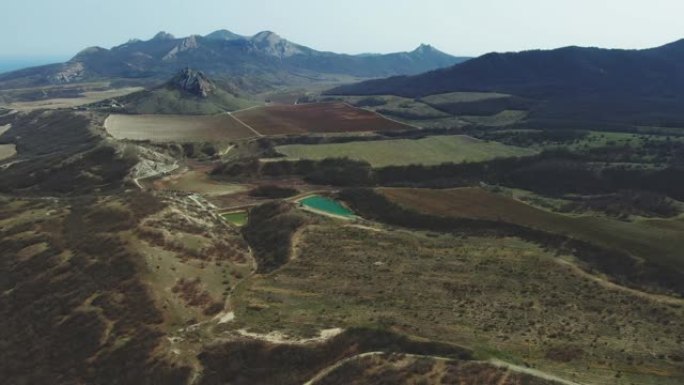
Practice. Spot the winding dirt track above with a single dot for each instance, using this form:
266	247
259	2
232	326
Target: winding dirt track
498	363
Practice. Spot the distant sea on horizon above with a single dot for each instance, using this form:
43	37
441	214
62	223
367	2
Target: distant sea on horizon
12	63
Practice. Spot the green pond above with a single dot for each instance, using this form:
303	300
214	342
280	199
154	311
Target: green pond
327	205
238	218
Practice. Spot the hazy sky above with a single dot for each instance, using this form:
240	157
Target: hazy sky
460	27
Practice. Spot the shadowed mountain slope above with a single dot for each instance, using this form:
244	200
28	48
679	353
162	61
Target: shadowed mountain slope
635	86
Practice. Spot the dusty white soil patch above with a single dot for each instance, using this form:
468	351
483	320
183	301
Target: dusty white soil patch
277	337
226	317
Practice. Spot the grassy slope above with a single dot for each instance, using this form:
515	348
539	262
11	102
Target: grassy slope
648	239
504	297
428	151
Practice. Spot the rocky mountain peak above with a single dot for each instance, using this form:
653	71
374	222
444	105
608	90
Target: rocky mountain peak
271	44
425	48
224	34
193	82
266	37
90	51
163	36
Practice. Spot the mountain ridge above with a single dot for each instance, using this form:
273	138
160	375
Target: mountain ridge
572	82
222	53
527	67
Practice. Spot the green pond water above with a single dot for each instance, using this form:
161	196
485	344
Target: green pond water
326	204
236	218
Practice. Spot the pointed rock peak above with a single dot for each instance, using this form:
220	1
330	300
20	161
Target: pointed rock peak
224	34
163	36
192	82
425	48
266	36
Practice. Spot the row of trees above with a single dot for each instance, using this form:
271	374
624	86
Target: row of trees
552	173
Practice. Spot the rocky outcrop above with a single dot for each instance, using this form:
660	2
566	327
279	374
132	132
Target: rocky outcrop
193	82
224	34
71	72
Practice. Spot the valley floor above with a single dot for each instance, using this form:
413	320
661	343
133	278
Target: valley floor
188	264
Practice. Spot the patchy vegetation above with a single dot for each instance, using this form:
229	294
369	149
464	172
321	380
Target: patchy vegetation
60	153
503	297
617	263
194	295
92	319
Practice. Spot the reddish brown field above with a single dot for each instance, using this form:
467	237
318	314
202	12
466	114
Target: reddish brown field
315	118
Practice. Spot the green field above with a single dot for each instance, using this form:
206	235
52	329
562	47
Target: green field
503	118
237	218
327	205
401	152
462	97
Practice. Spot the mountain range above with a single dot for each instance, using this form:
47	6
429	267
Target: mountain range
262	58
591	84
